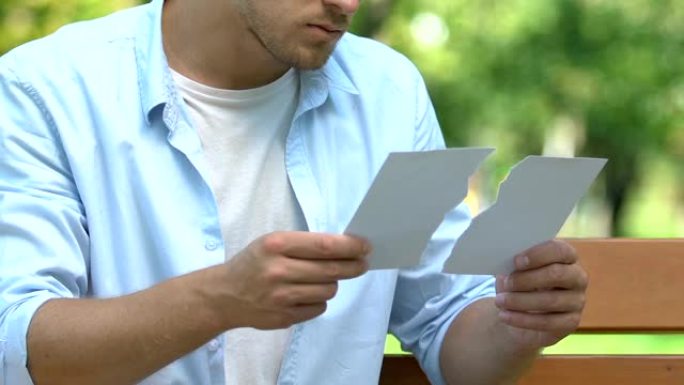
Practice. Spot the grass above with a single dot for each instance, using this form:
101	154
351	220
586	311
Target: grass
605	344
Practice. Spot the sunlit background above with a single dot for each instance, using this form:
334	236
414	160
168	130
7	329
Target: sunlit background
567	77
600	78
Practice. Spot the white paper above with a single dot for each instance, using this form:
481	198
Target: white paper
533	203
408	200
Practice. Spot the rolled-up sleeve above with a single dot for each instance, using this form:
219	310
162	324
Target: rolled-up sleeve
426	300
43	232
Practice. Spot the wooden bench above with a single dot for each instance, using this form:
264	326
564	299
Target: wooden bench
636	286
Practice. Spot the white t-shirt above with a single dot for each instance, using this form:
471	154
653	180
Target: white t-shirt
243	135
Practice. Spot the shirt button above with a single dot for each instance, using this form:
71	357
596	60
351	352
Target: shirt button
211	245
214	345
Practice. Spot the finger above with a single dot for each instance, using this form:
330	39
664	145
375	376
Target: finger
554	301
551	322
306	245
499	283
308	294
555	276
547	253
317	271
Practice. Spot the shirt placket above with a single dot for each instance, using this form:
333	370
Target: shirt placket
183	137
313	94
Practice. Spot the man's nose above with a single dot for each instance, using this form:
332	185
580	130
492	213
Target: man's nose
347	7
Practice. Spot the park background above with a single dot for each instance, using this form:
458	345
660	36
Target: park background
602	78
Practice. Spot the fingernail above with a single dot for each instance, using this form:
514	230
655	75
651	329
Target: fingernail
523	261
504	316
499	300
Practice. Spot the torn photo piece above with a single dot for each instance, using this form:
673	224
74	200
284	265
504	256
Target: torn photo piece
408	200
533	203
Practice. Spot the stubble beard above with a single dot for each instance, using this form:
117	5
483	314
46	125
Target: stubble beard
288	52
303	57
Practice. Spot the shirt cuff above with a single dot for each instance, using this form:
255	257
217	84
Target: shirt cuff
15	325
432	367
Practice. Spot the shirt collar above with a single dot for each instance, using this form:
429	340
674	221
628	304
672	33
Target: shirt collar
154	76
336	75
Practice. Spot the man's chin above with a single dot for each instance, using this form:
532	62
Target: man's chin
311	65
312	60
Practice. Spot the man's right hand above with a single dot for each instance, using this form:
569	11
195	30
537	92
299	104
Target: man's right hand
280	279
284	278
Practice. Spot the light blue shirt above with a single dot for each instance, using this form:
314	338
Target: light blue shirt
104	192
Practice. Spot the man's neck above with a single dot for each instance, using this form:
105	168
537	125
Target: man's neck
208	41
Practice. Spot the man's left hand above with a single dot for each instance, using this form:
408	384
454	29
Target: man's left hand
541	302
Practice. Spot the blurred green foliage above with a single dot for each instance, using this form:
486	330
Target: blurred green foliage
23	20
565	77
600	344
559	77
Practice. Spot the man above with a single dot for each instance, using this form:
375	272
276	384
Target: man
171	177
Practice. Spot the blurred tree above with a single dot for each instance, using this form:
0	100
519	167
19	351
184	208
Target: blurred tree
371	17
596	78
23	20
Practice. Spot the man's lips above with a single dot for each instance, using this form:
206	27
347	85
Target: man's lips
329	28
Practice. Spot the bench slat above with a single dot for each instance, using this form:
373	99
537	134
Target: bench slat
635	285
565	370
606	370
